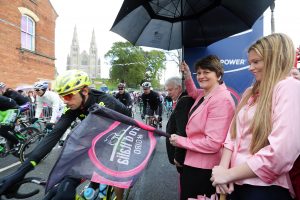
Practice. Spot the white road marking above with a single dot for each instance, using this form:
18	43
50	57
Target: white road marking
10	166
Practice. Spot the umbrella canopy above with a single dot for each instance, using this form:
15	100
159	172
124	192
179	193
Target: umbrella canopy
24	87
172	24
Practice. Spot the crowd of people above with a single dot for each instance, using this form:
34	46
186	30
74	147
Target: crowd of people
246	151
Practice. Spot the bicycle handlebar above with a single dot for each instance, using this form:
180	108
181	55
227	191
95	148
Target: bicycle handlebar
15	194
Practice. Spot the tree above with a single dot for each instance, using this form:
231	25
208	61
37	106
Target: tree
174	56
155	60
133	65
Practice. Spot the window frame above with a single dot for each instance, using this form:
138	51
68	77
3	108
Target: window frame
30	38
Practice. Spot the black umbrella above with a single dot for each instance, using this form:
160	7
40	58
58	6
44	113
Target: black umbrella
172	24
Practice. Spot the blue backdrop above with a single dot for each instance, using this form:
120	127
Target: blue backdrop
233	54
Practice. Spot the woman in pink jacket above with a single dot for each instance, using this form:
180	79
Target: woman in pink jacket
207	126
263	142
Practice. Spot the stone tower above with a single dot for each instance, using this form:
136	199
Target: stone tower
93	58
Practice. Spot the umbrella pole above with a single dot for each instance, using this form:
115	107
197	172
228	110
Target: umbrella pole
182	48
182	75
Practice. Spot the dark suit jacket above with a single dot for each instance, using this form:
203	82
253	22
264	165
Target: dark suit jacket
176	125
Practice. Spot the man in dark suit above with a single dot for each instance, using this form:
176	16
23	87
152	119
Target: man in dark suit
178	119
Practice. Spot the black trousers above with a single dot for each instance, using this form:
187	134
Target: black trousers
251	192
195	181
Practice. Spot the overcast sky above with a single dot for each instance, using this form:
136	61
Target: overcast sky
100	14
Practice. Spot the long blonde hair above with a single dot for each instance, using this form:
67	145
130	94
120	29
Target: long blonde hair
278	54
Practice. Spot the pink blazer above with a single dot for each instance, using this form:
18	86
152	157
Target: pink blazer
207	127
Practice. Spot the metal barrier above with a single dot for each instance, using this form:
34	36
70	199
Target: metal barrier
46	113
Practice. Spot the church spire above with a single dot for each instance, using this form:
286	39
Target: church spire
94	69
75	37
93	47
75	51
93	41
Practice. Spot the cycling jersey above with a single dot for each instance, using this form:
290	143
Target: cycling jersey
52	100
9	109
50	140
19	98
168	99
8	117
125	98
153	100
7	103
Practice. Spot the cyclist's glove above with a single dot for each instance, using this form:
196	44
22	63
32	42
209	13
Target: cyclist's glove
159	118
33	120
7	183
143	116
50	126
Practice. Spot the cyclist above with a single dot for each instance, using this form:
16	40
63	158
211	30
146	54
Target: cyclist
123	96
72	86
168	103
10	93
152	99
5	105
51	99
11	99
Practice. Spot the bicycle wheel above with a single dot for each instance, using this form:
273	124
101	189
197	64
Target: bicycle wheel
27	133
4	147
28	146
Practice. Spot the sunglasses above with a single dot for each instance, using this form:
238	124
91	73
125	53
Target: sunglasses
146	88
37	90
121	88
69	96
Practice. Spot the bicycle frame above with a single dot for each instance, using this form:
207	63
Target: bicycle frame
15	194
151	120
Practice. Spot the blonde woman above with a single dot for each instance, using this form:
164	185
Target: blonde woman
264	140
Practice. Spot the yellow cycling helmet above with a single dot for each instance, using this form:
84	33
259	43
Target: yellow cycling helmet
70	81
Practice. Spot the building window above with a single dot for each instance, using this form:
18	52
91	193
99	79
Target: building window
27	33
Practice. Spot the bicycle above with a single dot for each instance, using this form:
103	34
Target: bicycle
151	117
28	146
151	120
24	136
19	128
108	192
14	193
131	110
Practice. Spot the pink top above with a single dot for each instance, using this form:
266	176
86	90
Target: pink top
272	163
207	127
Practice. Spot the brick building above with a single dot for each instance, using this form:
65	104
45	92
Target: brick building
27	41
